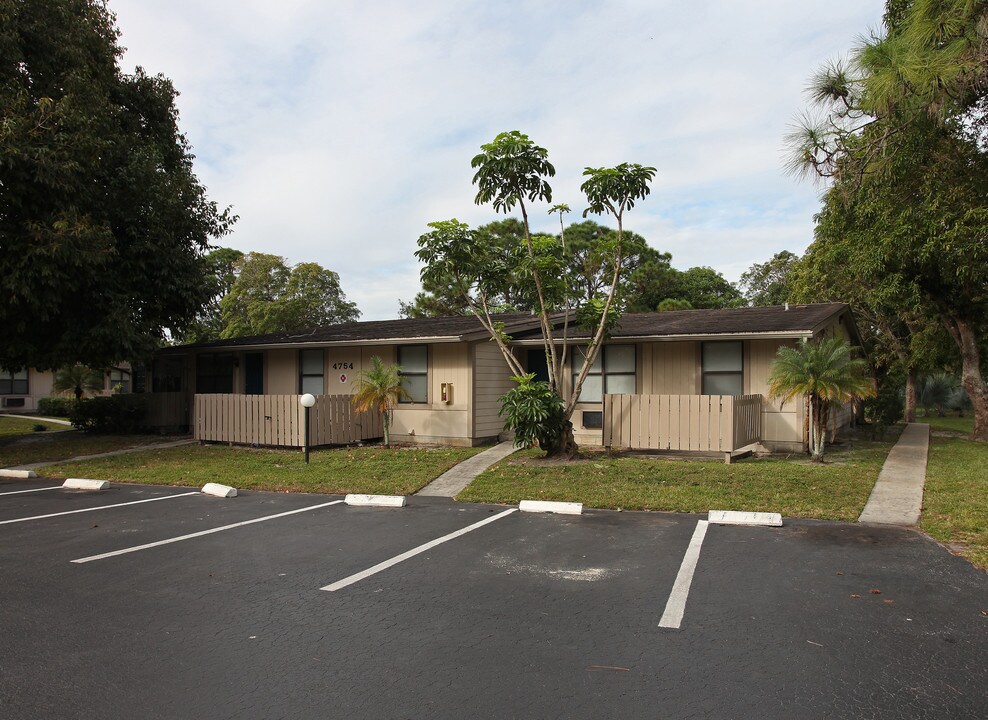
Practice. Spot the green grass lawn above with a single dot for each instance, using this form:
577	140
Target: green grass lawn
12	427
955	502
372	470
951	423
837	490
50	446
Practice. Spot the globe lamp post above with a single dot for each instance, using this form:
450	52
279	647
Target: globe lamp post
306	401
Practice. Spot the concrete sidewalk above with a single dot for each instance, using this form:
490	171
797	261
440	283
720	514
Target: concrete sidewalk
897	498
54	421
124	451
456	478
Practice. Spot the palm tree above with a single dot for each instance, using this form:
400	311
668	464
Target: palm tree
77	379
827	374
380	389
935	392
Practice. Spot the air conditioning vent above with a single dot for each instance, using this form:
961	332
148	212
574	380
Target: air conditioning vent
12	402
593	419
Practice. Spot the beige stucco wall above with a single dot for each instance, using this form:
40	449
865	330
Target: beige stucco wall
434	420
673	368
280	372
492	378
668	368
39	385
662	368
782	424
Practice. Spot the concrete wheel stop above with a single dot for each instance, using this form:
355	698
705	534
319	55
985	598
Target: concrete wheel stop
21	474
217	490
545	506
734	517
376	500
84	484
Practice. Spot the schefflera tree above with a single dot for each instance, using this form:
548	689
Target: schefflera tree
511	173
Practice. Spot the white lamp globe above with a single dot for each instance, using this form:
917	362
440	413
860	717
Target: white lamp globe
307	400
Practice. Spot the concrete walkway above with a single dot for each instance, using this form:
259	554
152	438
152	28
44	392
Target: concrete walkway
80	458
452	482
897	498
54	421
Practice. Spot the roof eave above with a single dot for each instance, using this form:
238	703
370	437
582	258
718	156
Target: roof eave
771	335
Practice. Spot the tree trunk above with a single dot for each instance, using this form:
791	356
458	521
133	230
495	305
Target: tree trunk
911	395
972	379
387	431
966	337
567	448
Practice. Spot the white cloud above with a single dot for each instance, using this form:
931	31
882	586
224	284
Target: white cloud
338	130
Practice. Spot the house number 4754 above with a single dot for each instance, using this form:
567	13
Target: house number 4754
342	366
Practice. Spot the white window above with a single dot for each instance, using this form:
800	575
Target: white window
612	373
414	363
311	374
13	382
723	368
119	381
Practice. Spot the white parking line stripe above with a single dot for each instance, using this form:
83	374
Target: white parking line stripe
412	553
676	606
18	492
180	538
101	507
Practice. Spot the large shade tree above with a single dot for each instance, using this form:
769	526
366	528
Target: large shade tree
655	282
900	330
583	251
770	282
103	223
221	272
903	138
270	296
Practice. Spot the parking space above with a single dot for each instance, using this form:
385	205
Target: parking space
237	608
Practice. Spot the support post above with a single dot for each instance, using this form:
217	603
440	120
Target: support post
306	401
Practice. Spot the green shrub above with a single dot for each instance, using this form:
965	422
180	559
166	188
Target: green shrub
56	406
38	427
116	414
885	409
534	412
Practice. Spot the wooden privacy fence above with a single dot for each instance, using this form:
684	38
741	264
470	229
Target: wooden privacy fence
713	423
278	420
167	410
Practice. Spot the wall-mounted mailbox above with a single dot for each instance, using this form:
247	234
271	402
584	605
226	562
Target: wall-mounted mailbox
446	392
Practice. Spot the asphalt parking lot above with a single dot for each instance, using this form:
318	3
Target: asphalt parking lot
524	616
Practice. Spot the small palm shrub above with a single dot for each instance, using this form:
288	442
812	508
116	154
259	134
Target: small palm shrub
826	372
380	389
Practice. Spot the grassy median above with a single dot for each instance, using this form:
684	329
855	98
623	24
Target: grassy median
793	486
52	446
955	502
14	427
395	471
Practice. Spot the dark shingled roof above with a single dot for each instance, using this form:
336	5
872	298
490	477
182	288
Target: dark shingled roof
525	326
408	329
749	320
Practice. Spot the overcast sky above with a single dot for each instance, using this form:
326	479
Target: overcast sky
338	130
